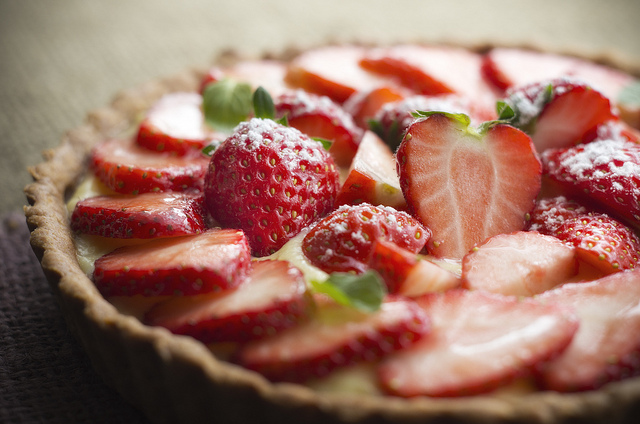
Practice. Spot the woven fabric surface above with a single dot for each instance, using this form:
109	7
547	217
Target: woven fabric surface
45	376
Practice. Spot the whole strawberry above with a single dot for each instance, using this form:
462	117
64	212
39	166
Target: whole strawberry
271	181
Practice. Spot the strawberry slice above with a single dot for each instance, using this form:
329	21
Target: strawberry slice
267	73
364	105
606	172
175	124
147	215
601	241
320	117
433	70
559	113
606	346
480	341
337	337
372	177
271	181
343	240
520	264
406	273
273	297
464	185
332	71
128	168
212	261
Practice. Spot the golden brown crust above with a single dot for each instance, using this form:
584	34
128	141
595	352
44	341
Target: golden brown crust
177	379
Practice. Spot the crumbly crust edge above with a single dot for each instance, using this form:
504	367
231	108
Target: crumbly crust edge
177	379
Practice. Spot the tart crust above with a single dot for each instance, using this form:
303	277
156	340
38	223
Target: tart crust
177	379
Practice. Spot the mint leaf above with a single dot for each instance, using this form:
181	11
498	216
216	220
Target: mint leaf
226	103
461	118
363	292
263	106
630	94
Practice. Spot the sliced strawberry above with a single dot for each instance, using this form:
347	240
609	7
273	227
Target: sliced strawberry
550	213
343	240
212	261
372	177
273	297
433	70
466	186
130	169
271	181
606	172
364	105
267	73
480	341
332	71
523	263
614	129
601	241
406	273
175	124
393	119
607	344
559	113
337	337
320	117
148	215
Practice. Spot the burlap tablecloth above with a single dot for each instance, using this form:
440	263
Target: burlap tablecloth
60	59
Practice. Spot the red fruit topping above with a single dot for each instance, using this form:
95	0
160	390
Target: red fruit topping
130	169
607	344
343	241
211	261
270	181
549	214
405	273
465	186
148	215
175	124
601	241
273	297
520	264
337	337
480	341
605	171
559	113
364	105
372	177
320	117
332	71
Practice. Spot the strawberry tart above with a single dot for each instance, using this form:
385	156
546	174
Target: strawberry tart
409	233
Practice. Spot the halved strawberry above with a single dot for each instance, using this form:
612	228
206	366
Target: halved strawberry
406	273
372	177
607	344
433	70
480	341
212	261
601	241
175	124
343	240
147	215
128	168
332	71
523	263
364	105
273	297
466	186
606	172
320	117
336	337
559	113
267	73
271	181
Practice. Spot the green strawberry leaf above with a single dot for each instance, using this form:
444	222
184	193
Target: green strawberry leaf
505	111
263	106
630	94
226	103
326	144
364	292
462	118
